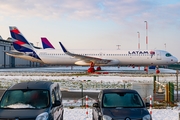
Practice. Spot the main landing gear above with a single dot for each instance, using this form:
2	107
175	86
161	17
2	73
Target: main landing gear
91	68
157	69
98	68
146	69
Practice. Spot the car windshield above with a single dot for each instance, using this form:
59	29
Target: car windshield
122	100
25	99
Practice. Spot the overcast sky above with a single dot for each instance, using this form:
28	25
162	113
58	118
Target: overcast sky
95	24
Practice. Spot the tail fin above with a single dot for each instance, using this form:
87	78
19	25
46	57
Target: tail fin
46	44
19	41
21	44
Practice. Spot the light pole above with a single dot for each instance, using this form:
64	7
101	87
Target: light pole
82	93
138	40
177	72
165	45
146	34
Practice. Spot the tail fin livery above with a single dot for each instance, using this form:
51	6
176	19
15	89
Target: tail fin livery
19	41
21	44
46	44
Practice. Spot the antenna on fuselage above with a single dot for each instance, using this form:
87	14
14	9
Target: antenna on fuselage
118	46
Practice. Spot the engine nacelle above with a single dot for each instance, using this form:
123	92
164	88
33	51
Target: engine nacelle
114	62
82	63
99	63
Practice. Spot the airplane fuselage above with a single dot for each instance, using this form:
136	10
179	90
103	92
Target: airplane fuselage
117	57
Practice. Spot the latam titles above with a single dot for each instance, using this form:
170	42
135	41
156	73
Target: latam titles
138	52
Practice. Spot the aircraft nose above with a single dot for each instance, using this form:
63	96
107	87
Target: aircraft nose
174	60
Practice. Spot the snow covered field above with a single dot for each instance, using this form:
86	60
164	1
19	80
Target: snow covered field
93	82
78	113
157	114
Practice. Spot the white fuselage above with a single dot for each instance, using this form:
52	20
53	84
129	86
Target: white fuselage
118	57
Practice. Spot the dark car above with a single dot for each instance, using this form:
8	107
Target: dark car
33	100
120	104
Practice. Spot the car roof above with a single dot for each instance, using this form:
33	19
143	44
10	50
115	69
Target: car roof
118	90
32	85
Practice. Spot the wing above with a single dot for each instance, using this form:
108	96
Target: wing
90	59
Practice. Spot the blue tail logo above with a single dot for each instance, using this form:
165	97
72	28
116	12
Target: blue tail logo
21	44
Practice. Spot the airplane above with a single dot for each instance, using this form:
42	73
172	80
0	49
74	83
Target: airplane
24	55
91	57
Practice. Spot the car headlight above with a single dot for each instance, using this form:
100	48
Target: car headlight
147	117
42	116
105	117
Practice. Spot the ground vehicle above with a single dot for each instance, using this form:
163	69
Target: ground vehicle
120	104
33	100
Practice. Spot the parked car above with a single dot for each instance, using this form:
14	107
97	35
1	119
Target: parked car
33	100
120	104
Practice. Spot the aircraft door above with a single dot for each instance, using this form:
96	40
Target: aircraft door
158	55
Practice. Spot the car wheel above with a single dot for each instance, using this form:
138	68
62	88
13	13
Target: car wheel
100	118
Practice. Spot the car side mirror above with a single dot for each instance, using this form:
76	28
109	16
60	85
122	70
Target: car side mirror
147	104
57	103
96	105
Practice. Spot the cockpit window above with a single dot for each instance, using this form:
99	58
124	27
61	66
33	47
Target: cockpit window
168	55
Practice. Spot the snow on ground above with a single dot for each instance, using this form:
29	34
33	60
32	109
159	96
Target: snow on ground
78	113
96	82
157	114
90	82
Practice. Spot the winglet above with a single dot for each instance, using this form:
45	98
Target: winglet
46	43
63	48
